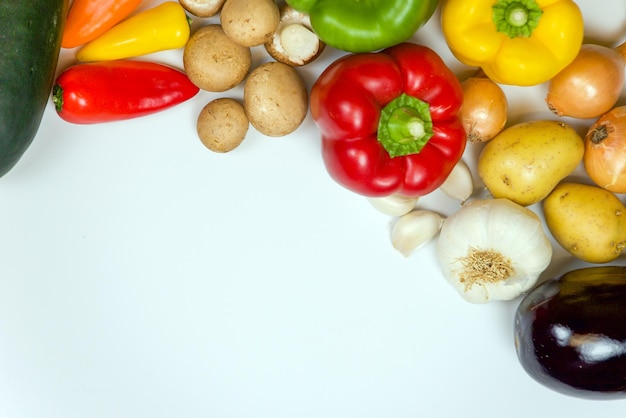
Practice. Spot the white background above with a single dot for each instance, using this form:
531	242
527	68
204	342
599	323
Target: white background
142	275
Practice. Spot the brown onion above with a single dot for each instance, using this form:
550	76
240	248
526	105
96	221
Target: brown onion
590	85
605	151
484	110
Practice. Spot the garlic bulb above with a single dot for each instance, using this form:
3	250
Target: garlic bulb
415	229
393	205
459	184
493	249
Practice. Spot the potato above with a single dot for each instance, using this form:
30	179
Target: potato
213	62
222	124
526	161
250	23
589	222
275	99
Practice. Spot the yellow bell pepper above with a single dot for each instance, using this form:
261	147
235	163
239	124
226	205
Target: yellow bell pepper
160	28
516	42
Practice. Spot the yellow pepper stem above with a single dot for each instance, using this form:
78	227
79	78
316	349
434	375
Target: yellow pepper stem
516	17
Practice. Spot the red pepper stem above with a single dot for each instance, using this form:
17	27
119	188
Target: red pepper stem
405	126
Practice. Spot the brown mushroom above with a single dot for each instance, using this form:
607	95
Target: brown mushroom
222	124
213	61
202	8
275	99
294	42
250	23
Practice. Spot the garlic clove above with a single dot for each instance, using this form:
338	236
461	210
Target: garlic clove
414	229
459	184
393	205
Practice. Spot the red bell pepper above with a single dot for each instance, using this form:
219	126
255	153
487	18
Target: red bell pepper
117	90
389	120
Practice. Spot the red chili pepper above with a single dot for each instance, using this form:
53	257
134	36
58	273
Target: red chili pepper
117	90
389	120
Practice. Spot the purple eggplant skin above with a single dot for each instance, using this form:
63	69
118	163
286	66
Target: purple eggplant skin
570	333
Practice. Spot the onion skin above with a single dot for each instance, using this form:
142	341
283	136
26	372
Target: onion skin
484	110
590	85
570	333
605	151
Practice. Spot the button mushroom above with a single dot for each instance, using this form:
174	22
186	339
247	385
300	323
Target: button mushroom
275	99
213	61
202	8
222	124
250	23
294	42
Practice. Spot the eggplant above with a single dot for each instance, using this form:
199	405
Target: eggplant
570	333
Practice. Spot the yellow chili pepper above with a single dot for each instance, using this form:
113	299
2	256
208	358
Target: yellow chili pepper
160	28
516	42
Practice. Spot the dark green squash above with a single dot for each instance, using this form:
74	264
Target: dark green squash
30	43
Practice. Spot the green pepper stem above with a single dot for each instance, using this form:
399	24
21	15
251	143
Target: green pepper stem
516	18
57	97
405	126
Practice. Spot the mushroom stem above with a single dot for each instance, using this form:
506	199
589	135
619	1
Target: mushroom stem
299	43
294	42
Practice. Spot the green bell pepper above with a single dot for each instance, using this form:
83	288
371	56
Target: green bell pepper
365	25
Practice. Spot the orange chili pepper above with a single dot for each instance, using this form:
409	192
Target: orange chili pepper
88	19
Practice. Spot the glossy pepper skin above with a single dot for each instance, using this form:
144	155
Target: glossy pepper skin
389	120
570	333
117	90
88	19
515	42
365	25
160	28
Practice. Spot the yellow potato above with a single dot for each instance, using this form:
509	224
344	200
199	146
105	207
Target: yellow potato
589	222
526	161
